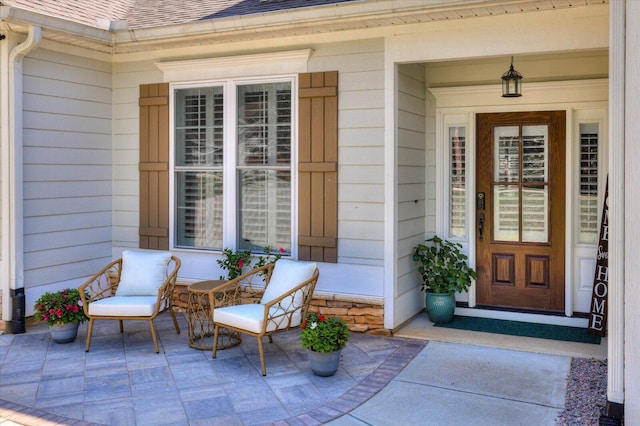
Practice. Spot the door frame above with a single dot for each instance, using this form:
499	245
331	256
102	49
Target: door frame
457	105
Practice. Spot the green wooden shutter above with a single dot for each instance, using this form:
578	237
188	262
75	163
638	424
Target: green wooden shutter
318	167
154	166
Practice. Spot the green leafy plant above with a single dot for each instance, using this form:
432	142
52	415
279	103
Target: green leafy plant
235	261
443	266
61	307
322	334
268	257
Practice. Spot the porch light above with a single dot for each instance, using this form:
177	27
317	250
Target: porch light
511	85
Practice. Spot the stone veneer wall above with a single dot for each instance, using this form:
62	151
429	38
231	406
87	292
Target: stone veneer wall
362	315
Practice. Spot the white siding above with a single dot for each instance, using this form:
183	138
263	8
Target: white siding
360	146
127	79
67	168
411	184
360	168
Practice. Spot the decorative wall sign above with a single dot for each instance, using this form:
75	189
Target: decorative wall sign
598	314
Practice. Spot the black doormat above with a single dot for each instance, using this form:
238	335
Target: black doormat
525	329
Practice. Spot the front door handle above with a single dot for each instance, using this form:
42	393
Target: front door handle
481	226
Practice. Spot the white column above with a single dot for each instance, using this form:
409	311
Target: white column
615	385
631	224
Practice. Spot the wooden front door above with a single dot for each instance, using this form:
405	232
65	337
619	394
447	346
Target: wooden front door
520	210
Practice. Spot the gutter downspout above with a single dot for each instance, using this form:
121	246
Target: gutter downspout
11	189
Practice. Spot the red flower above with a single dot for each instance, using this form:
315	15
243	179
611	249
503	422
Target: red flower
59	313
281	250
240	263
69	307
321	318
304	325
75	309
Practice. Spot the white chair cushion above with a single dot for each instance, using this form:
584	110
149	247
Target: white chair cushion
286	275
143	273
250	317
124	306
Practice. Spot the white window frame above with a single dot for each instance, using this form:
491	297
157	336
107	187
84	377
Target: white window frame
229	169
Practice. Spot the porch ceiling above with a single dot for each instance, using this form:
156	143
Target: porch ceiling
116	37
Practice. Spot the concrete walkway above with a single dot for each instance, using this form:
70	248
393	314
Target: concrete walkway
456	384
381	380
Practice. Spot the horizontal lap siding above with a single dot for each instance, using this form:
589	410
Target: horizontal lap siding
411	170
126	145
360	146
67	167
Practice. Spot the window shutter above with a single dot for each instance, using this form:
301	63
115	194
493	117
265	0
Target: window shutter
318	167
154	166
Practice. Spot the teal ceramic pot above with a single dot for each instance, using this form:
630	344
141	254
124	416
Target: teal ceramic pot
440	306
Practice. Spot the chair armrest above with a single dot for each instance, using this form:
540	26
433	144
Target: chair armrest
101	285
165	292
281	310
250	283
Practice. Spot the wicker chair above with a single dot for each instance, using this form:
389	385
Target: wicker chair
138	286
288	288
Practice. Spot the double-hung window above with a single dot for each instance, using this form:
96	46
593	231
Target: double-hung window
232	166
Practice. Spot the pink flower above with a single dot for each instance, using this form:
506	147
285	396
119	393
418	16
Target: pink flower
75	309
281	250
59	313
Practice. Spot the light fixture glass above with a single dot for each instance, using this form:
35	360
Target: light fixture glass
511	83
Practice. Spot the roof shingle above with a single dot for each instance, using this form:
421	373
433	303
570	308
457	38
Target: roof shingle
156	13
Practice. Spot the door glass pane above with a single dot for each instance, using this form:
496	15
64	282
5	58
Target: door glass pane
534	154
457	182
506	208
588	174
535	214
506	147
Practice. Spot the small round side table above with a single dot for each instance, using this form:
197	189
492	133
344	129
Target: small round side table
203	297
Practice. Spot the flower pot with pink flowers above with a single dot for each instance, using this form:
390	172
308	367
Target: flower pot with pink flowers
62	311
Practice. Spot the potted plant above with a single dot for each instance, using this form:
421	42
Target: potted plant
324	338
62	311
444	271
235	261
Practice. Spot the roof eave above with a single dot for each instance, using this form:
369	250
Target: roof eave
56	25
